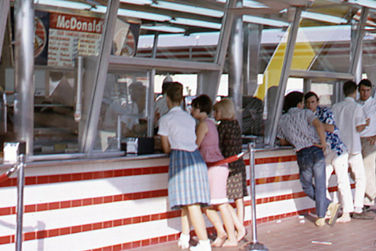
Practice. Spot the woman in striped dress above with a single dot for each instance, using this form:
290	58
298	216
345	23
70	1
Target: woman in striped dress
188	186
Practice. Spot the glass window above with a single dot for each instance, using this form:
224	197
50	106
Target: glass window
124	109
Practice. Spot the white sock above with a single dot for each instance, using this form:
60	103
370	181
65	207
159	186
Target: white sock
358	210
184	237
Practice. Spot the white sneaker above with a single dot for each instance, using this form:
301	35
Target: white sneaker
183	241
202	246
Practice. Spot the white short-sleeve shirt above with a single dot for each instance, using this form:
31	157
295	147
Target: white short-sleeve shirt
179	127
349	115
369	108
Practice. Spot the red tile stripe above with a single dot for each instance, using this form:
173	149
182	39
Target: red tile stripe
41	234
134	196
174	237
121	197
47	179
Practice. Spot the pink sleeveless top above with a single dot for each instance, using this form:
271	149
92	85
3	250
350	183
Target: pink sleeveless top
209	147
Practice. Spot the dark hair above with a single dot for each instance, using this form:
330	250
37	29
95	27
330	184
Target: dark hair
204	103
311	94
292	100
349	87
165	86
175	92
365	82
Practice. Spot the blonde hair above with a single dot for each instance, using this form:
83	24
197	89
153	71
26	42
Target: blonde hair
226	107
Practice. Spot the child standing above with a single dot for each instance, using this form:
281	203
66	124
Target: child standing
188	186
230	143
207	140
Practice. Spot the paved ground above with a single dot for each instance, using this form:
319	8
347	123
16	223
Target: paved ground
299	233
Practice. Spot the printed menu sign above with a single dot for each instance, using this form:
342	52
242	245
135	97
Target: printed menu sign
61	37
70	36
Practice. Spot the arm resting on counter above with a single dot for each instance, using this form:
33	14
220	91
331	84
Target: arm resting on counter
165	144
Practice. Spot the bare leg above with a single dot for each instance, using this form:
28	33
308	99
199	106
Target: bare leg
197	220
185	229
238	225
240	209
229	225
217	223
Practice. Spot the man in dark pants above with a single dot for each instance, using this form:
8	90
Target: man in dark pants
305	132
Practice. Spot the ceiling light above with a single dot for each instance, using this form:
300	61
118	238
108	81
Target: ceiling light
323	17
264	21
59	3
163	28
192	22
365	3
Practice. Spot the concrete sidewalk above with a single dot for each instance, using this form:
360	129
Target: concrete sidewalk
300	233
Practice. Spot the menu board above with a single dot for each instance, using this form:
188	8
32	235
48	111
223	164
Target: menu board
61	37
70	36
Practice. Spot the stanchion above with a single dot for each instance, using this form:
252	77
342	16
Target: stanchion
20	204
254	245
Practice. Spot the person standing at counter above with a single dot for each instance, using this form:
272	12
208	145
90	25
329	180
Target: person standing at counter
230	143
188	185
368	140
207	141
351	120
336	154
300	128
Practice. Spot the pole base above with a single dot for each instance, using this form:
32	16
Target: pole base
255	247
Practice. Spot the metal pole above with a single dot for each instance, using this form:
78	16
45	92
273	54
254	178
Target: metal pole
236	64
254	245
287	60
77	112
24	73
356	52
20	205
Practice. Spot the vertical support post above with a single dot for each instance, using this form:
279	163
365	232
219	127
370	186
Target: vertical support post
24	73
254	245
150	103
20	204
236	64
356	50
276	113
252	43
101	68
78	110
307	85
4	10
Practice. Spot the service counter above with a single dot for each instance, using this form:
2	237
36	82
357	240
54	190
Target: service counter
121	202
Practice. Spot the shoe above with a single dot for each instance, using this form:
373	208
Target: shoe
333	209
320	222
202	246
183	241
367	209
362	216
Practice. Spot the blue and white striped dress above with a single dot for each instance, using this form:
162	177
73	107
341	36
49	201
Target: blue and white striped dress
187	179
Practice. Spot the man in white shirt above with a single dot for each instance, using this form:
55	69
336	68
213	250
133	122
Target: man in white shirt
351	121
368	139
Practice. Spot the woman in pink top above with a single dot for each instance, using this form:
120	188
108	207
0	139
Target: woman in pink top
207	141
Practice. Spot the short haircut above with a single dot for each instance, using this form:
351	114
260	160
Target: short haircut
349	87
365	82
292	100
311	94
175	92
226	107
204	103
165	86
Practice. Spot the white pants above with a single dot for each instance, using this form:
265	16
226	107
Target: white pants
341	166
369	158
357	168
